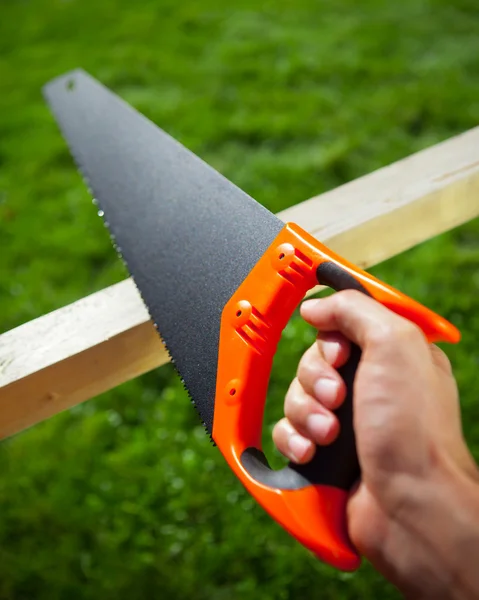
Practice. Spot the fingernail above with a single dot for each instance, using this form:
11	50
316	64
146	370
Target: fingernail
319	425
326	390
330	351
298	446
310	304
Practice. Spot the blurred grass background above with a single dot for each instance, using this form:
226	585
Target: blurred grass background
124	497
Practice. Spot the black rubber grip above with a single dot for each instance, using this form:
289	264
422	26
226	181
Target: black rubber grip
337	464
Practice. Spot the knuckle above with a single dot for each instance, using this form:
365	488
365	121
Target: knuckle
381	335
395	331
294	410
308	366
293	404
280	434
279	430
407	330
345	298
441	359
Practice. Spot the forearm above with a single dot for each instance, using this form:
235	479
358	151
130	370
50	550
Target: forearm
461	536
443	518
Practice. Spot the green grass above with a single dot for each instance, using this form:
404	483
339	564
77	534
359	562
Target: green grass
124	497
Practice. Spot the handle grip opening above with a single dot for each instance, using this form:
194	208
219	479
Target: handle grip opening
309	501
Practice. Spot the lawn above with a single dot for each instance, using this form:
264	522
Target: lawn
124	497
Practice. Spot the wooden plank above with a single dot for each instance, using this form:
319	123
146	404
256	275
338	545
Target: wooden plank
390	210
82	350
75	353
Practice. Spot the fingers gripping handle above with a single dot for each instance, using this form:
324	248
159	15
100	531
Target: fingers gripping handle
316	493
337	464
309	501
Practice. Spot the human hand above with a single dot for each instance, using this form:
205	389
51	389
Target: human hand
415	513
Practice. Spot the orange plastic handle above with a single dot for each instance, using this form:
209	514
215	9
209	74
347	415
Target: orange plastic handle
312	510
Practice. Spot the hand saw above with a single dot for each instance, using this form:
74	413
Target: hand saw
221	276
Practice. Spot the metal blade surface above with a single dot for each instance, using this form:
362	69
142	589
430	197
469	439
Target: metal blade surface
188	236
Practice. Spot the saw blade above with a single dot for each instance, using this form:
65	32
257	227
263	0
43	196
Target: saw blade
189	237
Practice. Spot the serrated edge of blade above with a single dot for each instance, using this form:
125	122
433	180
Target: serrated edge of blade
104	217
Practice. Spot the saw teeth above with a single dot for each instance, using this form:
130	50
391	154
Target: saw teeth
69	112
172	360
183	383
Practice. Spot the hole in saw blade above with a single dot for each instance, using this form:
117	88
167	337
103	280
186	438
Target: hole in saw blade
70	85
